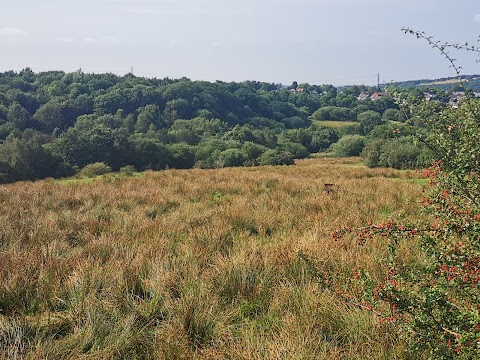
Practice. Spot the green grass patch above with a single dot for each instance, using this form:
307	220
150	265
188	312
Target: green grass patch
336	124
86	180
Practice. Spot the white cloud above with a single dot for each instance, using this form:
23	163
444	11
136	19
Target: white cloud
103	40
12	32
476	18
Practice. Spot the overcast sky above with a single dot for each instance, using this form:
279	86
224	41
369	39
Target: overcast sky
315	41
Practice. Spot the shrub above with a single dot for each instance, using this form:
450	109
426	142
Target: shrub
253	150
275	157
349	145
372	151
323	138
435	304
297	150
401	153
127	170
95	169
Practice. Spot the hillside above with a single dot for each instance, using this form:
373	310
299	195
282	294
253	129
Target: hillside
471	82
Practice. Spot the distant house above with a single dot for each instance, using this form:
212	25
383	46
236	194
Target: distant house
377	95
429	96
455	98
363	96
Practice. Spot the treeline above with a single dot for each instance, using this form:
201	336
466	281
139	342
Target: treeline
52	124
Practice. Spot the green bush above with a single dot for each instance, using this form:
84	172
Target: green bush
95	169
183	156
401	153
128	170
349	145
297	150
333	113
372	151
233	157
275	157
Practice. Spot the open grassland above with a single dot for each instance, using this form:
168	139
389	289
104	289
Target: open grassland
206	264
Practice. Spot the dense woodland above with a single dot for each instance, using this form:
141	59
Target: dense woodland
53	124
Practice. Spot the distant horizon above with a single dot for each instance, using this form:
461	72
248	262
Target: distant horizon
155	76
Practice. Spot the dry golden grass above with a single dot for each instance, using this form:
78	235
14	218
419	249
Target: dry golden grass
195	264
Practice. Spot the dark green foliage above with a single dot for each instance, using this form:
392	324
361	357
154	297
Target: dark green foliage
333	113
50	116
322	138
28	158
18	116
149	154
392	115
182	156
369	120
297	150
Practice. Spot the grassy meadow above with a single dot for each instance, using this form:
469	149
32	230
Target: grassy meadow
197	264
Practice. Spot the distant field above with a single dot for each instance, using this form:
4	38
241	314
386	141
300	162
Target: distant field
336	124
444	82
198	264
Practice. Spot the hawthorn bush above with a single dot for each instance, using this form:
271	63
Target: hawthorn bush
435	301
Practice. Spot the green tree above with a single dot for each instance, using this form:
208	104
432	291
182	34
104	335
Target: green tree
233	157
182	156
390	115
147	116
369	120
18	116
50	116
27	158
